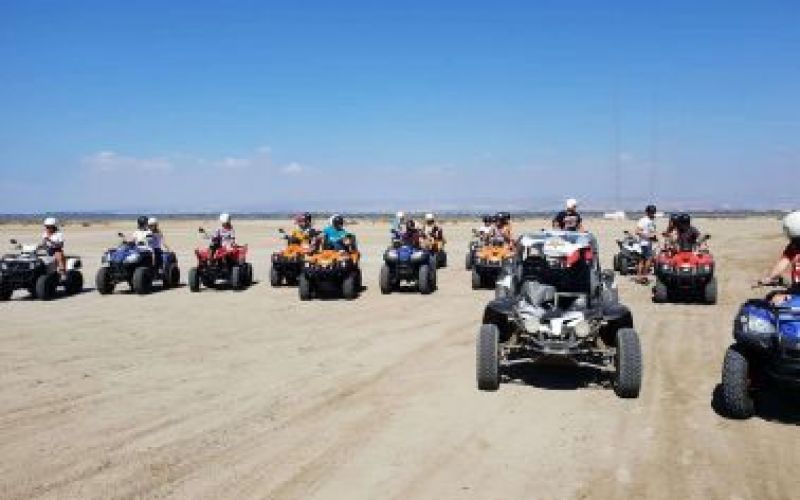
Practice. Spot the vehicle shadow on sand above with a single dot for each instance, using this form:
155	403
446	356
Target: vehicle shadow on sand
556	375
773	405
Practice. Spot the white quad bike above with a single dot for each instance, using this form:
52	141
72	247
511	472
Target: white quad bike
630	254
29	267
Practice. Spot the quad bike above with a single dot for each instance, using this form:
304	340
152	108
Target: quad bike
219	264
766	351
32	269
287	264
559	305
630	255
488	262
685	273
332	270
135	263
405	263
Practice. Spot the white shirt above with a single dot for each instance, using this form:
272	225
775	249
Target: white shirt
647	229
486	230
55	240
142	236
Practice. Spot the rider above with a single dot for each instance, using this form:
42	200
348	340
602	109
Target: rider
335	234
53	242
487	229
399	222
569	219
156	241
225	233
684	234
411	234
646	231
503	226
431	231
790	260
304	232
142	234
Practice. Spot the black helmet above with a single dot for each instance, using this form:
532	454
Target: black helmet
141	222
650	209
487	219
307	217
337	221
684	220
410	225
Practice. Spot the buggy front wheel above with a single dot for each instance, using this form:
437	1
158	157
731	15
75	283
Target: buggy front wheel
628	364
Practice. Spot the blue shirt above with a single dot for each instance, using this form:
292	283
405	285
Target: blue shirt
334	235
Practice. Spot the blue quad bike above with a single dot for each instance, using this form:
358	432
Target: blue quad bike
766	351
405	264
135	264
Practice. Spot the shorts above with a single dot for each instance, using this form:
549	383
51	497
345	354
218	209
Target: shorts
647	251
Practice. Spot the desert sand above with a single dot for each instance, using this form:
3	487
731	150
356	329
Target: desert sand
254	394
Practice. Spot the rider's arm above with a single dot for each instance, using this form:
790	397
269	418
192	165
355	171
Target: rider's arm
778	270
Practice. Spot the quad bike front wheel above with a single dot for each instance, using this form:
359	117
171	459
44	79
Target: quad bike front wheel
73	283
425	279
477	280
46	285
710	291
660	292
350	286
468	264
103	281
737	399
142	281
238	277
194	279
488	358
304	287
275	277
385	280
628	364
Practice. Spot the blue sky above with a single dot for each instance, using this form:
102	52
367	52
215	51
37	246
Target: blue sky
201	105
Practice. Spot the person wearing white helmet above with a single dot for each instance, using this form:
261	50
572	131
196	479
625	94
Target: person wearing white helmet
790	259
53	242
569	219
225	233
156	240
399	224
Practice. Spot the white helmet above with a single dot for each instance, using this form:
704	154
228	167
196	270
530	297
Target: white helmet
225	218
50	221
152	221
429	217
571	203
791	225
401	215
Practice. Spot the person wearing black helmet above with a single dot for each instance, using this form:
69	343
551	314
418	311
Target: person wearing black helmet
646	231
142	234
503	226
410	234
684	235
335	234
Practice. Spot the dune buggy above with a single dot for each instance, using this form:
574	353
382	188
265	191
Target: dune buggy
559	305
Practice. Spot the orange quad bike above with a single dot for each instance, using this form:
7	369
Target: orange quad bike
489	260
287	264
332	271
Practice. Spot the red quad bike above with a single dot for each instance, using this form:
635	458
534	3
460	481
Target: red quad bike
685	273
218	265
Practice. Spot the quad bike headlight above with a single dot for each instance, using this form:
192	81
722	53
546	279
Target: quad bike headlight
756	324
132	258
3	266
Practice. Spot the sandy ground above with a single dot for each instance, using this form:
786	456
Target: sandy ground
257	395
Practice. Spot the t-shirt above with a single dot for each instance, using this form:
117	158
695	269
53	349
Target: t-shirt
156	240
333	235
647	228
53	241
568	221
226	235
792	252
142	236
